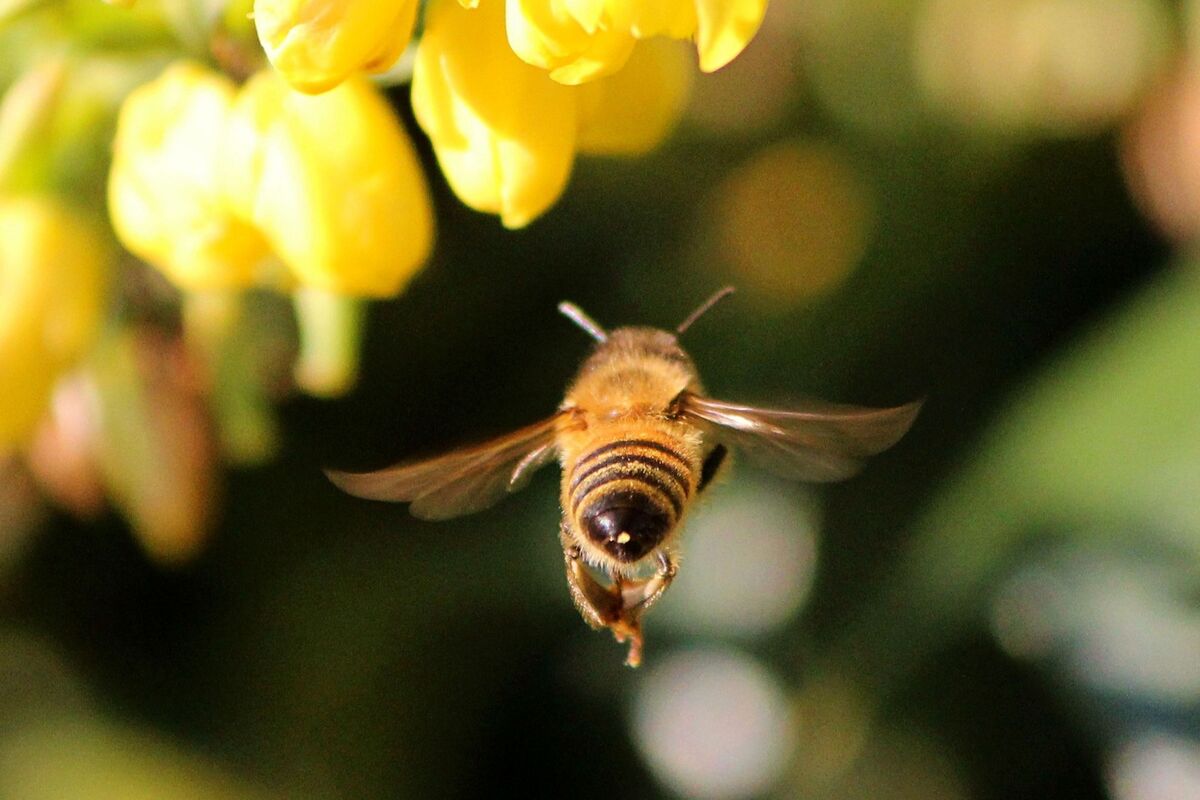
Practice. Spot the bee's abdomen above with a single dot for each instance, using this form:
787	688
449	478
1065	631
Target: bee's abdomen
628	494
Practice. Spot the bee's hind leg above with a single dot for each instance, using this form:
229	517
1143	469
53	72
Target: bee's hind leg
601	606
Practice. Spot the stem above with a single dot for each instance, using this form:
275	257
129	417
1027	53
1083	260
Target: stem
330	334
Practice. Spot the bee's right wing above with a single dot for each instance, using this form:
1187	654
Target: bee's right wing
817	442
461	481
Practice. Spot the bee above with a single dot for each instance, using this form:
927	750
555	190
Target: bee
638	440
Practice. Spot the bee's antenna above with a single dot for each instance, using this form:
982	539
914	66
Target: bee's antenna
580	318
720	295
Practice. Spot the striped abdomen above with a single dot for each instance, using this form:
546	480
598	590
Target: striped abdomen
627	495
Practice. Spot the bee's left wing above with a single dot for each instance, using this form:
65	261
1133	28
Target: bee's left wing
820	442
461	481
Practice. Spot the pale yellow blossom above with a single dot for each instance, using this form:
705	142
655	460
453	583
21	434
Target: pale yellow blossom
225	188
164	192
331	181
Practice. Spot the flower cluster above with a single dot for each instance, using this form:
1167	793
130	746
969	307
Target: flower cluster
510	92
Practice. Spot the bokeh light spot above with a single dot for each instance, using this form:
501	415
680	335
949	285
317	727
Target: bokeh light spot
1155	766
713	724
1161	155
1060	66
1027	614
749	560
792	221
1119	625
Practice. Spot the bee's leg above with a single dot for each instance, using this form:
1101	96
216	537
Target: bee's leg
627	627
630	629
601	606
636	597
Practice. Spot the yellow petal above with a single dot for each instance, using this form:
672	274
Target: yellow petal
53	281
163	193
544	34
331	181
724	28
634	110
590	14
607	55
503	132
316	46
538	36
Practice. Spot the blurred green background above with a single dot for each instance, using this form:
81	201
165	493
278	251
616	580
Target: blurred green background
984	203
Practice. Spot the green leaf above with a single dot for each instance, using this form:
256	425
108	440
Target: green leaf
1104	441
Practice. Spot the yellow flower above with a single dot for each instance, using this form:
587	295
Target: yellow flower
316	46
506	135
331	181
164	193
52	294
216	186
578	40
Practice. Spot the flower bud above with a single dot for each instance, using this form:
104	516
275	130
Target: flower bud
164	192
155	445
53	285
316	46
331	181
504	133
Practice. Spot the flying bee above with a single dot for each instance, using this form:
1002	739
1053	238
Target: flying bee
638	439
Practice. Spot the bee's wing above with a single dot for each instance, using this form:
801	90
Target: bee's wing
461	481
818	442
